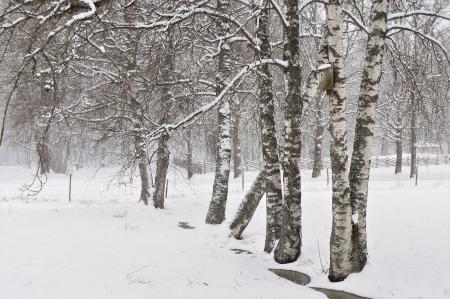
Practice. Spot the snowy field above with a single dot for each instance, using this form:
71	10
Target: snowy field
105	245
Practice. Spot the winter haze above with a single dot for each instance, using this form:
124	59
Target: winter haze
224	149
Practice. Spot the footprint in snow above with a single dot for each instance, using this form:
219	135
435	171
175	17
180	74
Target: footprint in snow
185	225
240	251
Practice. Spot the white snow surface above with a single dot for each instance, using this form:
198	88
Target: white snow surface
105	245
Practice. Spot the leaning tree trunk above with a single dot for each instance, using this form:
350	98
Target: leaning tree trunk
163	154
365	121
216	210
288	248
236	119
341	223
248	206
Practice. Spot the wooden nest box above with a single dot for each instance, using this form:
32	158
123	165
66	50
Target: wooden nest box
326	80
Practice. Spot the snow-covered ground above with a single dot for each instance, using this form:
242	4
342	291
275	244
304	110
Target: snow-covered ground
105	245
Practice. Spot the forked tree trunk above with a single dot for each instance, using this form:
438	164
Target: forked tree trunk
236	119
216	210
137	118
288	248
341	223
365	121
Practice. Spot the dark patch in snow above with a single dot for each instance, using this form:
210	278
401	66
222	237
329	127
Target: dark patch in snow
240	251
303	279
185	225
294	276
335	294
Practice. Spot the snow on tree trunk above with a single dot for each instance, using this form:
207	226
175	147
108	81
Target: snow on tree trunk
248	206
272	186
216	210
341	223
236	118
365	121
288	248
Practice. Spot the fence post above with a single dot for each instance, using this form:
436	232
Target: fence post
242	178
328	178
70	187
417	172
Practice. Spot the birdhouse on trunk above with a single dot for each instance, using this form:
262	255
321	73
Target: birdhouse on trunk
326	81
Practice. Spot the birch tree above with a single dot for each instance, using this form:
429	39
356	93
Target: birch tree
216	210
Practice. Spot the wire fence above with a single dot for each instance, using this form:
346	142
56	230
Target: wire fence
377	161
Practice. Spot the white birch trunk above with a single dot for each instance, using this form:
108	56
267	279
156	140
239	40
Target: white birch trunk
365	121
341	223
216	210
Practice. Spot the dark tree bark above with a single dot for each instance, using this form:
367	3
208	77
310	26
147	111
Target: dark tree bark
216	210
163	154
272	185
288	248
399	152
413	136
189	166
44	156
140	150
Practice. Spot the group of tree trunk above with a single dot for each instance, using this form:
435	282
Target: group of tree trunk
141	63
